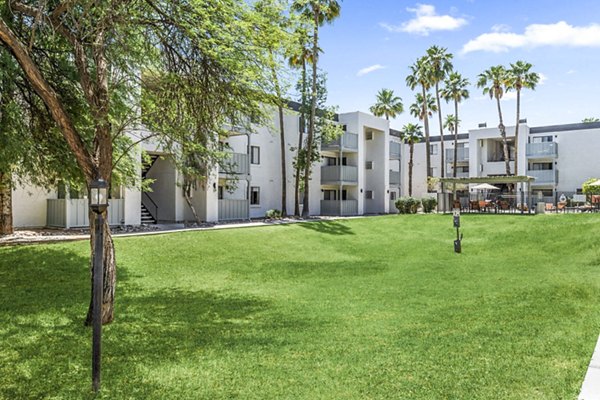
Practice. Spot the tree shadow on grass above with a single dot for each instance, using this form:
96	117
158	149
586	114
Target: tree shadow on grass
328	227
46	350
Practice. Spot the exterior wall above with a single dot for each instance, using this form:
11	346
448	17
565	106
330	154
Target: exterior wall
574	165
29	204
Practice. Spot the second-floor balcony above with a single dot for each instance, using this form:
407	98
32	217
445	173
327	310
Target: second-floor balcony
346	142
339	175
544	176
542	150
395	149
462	155
394	178
236	164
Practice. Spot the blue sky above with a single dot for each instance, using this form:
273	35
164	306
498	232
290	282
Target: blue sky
382	38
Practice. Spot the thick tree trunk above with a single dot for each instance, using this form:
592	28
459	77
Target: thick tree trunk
110	272
311	123
517	131
6	221
283	164
455	147
442	155
300	142
410	169
502	129
426	126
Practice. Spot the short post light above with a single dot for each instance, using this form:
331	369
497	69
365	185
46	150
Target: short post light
98	204
456	224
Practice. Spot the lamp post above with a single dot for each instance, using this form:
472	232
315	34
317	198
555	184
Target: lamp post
98	204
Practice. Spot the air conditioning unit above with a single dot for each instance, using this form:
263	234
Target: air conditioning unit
483	125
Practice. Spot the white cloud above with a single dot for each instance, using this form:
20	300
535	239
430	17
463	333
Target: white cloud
510	96
571	72
426	20
500	28
537	35
543	79
368	70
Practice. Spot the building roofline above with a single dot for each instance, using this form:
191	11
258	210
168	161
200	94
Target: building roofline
565	127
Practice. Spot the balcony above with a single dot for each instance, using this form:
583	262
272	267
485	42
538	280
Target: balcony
346	142
394	178
395	149
74	213
339	175
542	150
543	176
236	164
339	207
232	209
459	174
462	155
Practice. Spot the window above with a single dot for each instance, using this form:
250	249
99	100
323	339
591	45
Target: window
392	195
433	171
541	139
330	161
345	128
254	195
254	155
329	194
369	135
433	149
540	166
369	165
220	193
369	195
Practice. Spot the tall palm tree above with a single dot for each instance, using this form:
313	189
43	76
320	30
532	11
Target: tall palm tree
387	105
493	81
411	134
519	77
451	123
420	76
455	88
417	108
319	12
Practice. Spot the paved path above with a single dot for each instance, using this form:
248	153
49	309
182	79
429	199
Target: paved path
590	390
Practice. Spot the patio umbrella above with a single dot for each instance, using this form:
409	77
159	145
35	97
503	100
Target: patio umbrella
485	186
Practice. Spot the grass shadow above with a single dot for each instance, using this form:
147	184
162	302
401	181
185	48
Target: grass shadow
328	227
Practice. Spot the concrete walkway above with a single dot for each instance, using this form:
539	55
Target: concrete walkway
590	390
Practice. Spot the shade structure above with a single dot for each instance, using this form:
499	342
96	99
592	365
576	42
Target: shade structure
485	186
595	183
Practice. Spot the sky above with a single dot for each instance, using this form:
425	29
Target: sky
373	43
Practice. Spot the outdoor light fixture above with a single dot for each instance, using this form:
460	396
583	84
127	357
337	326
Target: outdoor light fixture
98	204
98	196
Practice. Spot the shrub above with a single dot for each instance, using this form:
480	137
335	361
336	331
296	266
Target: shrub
429	204
407	205
273	214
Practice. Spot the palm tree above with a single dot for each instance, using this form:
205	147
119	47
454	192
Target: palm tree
319	12
493	81
455	88
420	77
519	78
416	109
451	123
387	105
411	134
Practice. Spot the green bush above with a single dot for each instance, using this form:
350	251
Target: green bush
273	214
429	204
407	205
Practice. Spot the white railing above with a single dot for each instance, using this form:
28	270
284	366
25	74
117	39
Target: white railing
339	174
236	164
542	150
395	150
230	209
348	141
394	177
333	207
74	213
461	156
543	176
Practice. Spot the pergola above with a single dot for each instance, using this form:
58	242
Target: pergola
499	179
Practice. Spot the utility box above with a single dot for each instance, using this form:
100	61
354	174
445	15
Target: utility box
540	208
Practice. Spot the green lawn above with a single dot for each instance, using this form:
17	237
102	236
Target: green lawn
373	308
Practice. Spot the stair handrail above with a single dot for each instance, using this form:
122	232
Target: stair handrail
155	215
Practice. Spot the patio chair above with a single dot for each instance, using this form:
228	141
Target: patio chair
483	205
561	206
550	207
474	206
504	206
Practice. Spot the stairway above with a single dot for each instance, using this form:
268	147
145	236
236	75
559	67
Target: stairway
147	218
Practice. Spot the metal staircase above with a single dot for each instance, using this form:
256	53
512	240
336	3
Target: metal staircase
149	217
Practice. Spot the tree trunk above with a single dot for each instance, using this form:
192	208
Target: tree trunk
311	123
443	155
110	272
6	221
517	131
300	140
502	129
455	146
188	200
283	165
426	126
410	168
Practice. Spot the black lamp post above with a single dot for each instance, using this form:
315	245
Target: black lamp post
98	204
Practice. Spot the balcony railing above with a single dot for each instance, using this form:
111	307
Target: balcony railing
337	207
236	164
461	156
339	174
74	213
346	142
231	209
394	177
395	149
459	174
544	176
542	150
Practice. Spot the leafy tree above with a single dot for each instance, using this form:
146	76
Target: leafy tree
519	77
493	81
202	55
421	76
387	105
589	189
590	119
455	89
318	12
411	134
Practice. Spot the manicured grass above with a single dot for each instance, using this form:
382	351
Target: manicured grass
375	308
